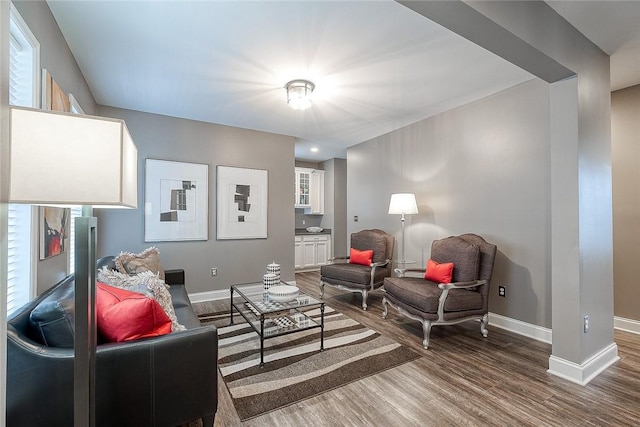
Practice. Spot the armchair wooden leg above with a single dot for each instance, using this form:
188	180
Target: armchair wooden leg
321	289
426	329
483	325
364	300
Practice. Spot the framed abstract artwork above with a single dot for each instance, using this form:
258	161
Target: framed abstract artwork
54	231
242	196
176	201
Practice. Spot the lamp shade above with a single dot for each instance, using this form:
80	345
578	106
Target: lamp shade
403	203
71	159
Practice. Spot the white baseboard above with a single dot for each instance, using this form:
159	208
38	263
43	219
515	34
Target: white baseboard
577	373
544	334
628	325
585	372
217	295
519	327
209	296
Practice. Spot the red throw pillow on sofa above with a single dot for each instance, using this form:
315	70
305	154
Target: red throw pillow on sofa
123	315
439	273
360	257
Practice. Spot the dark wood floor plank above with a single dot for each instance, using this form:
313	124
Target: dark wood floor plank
463	379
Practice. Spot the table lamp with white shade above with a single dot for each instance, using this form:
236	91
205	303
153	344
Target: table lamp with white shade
69	159
403	204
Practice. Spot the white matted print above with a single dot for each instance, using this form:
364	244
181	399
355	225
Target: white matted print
176	205
242	203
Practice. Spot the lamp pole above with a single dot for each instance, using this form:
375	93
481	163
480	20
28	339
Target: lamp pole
402	227
403	204
84	361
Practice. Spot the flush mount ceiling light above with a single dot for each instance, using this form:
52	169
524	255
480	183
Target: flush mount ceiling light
299	94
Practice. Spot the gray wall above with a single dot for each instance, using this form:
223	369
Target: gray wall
625	148
303	220
341	243
335	203
238	261
481	168
56	57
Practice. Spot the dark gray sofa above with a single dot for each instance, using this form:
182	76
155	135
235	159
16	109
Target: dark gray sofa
161	381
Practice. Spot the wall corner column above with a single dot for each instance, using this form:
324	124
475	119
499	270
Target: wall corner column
536	38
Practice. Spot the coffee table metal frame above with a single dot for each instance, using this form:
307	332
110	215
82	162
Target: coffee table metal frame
269	318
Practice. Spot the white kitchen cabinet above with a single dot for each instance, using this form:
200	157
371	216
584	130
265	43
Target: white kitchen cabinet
309	190
308	253
312	250
322	251
316	193
303	186
299	259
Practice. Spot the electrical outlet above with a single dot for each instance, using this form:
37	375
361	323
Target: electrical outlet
355	218
304	222
502	291
586	324
214	271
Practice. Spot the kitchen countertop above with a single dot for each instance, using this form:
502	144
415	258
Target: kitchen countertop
304	232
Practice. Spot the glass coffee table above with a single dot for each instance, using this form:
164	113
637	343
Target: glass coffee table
270	318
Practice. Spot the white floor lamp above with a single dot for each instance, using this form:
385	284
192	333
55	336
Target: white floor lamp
70	159
403	204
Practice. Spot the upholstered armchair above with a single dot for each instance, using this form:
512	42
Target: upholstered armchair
344	273
466	297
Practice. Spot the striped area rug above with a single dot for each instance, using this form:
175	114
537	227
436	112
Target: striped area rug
295	368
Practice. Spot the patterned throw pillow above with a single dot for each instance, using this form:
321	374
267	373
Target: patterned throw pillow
146	283
147	260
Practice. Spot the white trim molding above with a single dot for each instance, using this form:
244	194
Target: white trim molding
217	295
209	296
585	372
628	325
519	327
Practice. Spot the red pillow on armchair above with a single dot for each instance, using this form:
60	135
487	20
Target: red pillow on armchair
360	257
439	273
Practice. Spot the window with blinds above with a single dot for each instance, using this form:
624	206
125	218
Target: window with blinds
76	211
19	256
23	63
23	84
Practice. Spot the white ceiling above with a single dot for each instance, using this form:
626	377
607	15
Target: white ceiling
612	25
377	65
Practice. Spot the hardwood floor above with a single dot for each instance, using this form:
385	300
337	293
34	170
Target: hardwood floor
463	379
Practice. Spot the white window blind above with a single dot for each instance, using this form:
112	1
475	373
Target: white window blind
23	83
19	256
22	79
76	211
